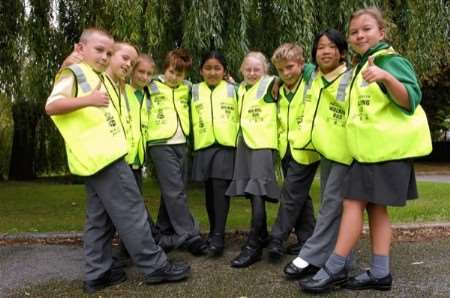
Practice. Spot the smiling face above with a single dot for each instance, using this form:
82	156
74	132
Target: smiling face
328	56
122	62
289	71
252	70
142	73
96	51
364	33
212	72
174	77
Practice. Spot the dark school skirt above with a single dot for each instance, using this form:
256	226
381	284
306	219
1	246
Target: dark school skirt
254	173
214	162
389	183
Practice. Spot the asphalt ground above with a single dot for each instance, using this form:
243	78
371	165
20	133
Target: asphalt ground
51	265
420	269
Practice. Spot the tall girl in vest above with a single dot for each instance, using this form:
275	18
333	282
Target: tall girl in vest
328	85
214	115
168	130
386	127
254	174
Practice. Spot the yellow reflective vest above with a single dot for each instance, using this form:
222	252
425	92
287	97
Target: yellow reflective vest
377	130
214	115
94	136
169	106
290	116
139	114
258	119
329	136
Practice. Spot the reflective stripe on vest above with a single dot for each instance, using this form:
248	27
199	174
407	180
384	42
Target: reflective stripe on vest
290	113
93	136
137	134
329	130
169	107
377	130
258	119
214	115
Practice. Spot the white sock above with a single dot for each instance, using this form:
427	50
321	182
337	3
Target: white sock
300	263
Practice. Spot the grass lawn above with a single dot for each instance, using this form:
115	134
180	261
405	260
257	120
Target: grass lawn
53	207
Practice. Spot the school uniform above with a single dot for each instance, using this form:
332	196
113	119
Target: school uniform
254	171
167	132
383	172
96	146
299	163
329	139
214	118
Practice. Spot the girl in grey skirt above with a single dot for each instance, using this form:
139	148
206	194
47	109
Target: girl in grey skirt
386	127
254	174
214	115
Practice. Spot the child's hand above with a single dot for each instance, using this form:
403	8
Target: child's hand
373	73
98	98
73	58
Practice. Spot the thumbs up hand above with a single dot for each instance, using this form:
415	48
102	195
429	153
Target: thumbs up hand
98	97
373	73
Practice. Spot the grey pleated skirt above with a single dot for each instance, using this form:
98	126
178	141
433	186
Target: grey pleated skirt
389	183
214	162
254	173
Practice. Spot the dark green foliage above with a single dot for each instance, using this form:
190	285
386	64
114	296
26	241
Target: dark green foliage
36	35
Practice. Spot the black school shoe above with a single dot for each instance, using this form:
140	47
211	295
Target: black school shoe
216	245
324	285
248	256
371	282
276	250
110	278
198	247
293	272
169	273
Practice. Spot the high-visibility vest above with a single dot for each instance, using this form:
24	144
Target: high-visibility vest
329	136
289	132
214	115
258	119
139	113
94	136
377	130
170	106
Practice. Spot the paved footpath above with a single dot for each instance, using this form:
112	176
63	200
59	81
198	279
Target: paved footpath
420	269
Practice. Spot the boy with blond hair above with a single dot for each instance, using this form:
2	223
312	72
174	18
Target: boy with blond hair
95	141
299	163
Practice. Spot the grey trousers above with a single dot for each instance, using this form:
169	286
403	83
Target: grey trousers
175	223
296	208
321	244
114	200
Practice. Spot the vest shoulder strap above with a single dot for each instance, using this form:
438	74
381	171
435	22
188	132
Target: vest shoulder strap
81	77
148	102
153	88
231	90
262	88
346	78
309	84
195	92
